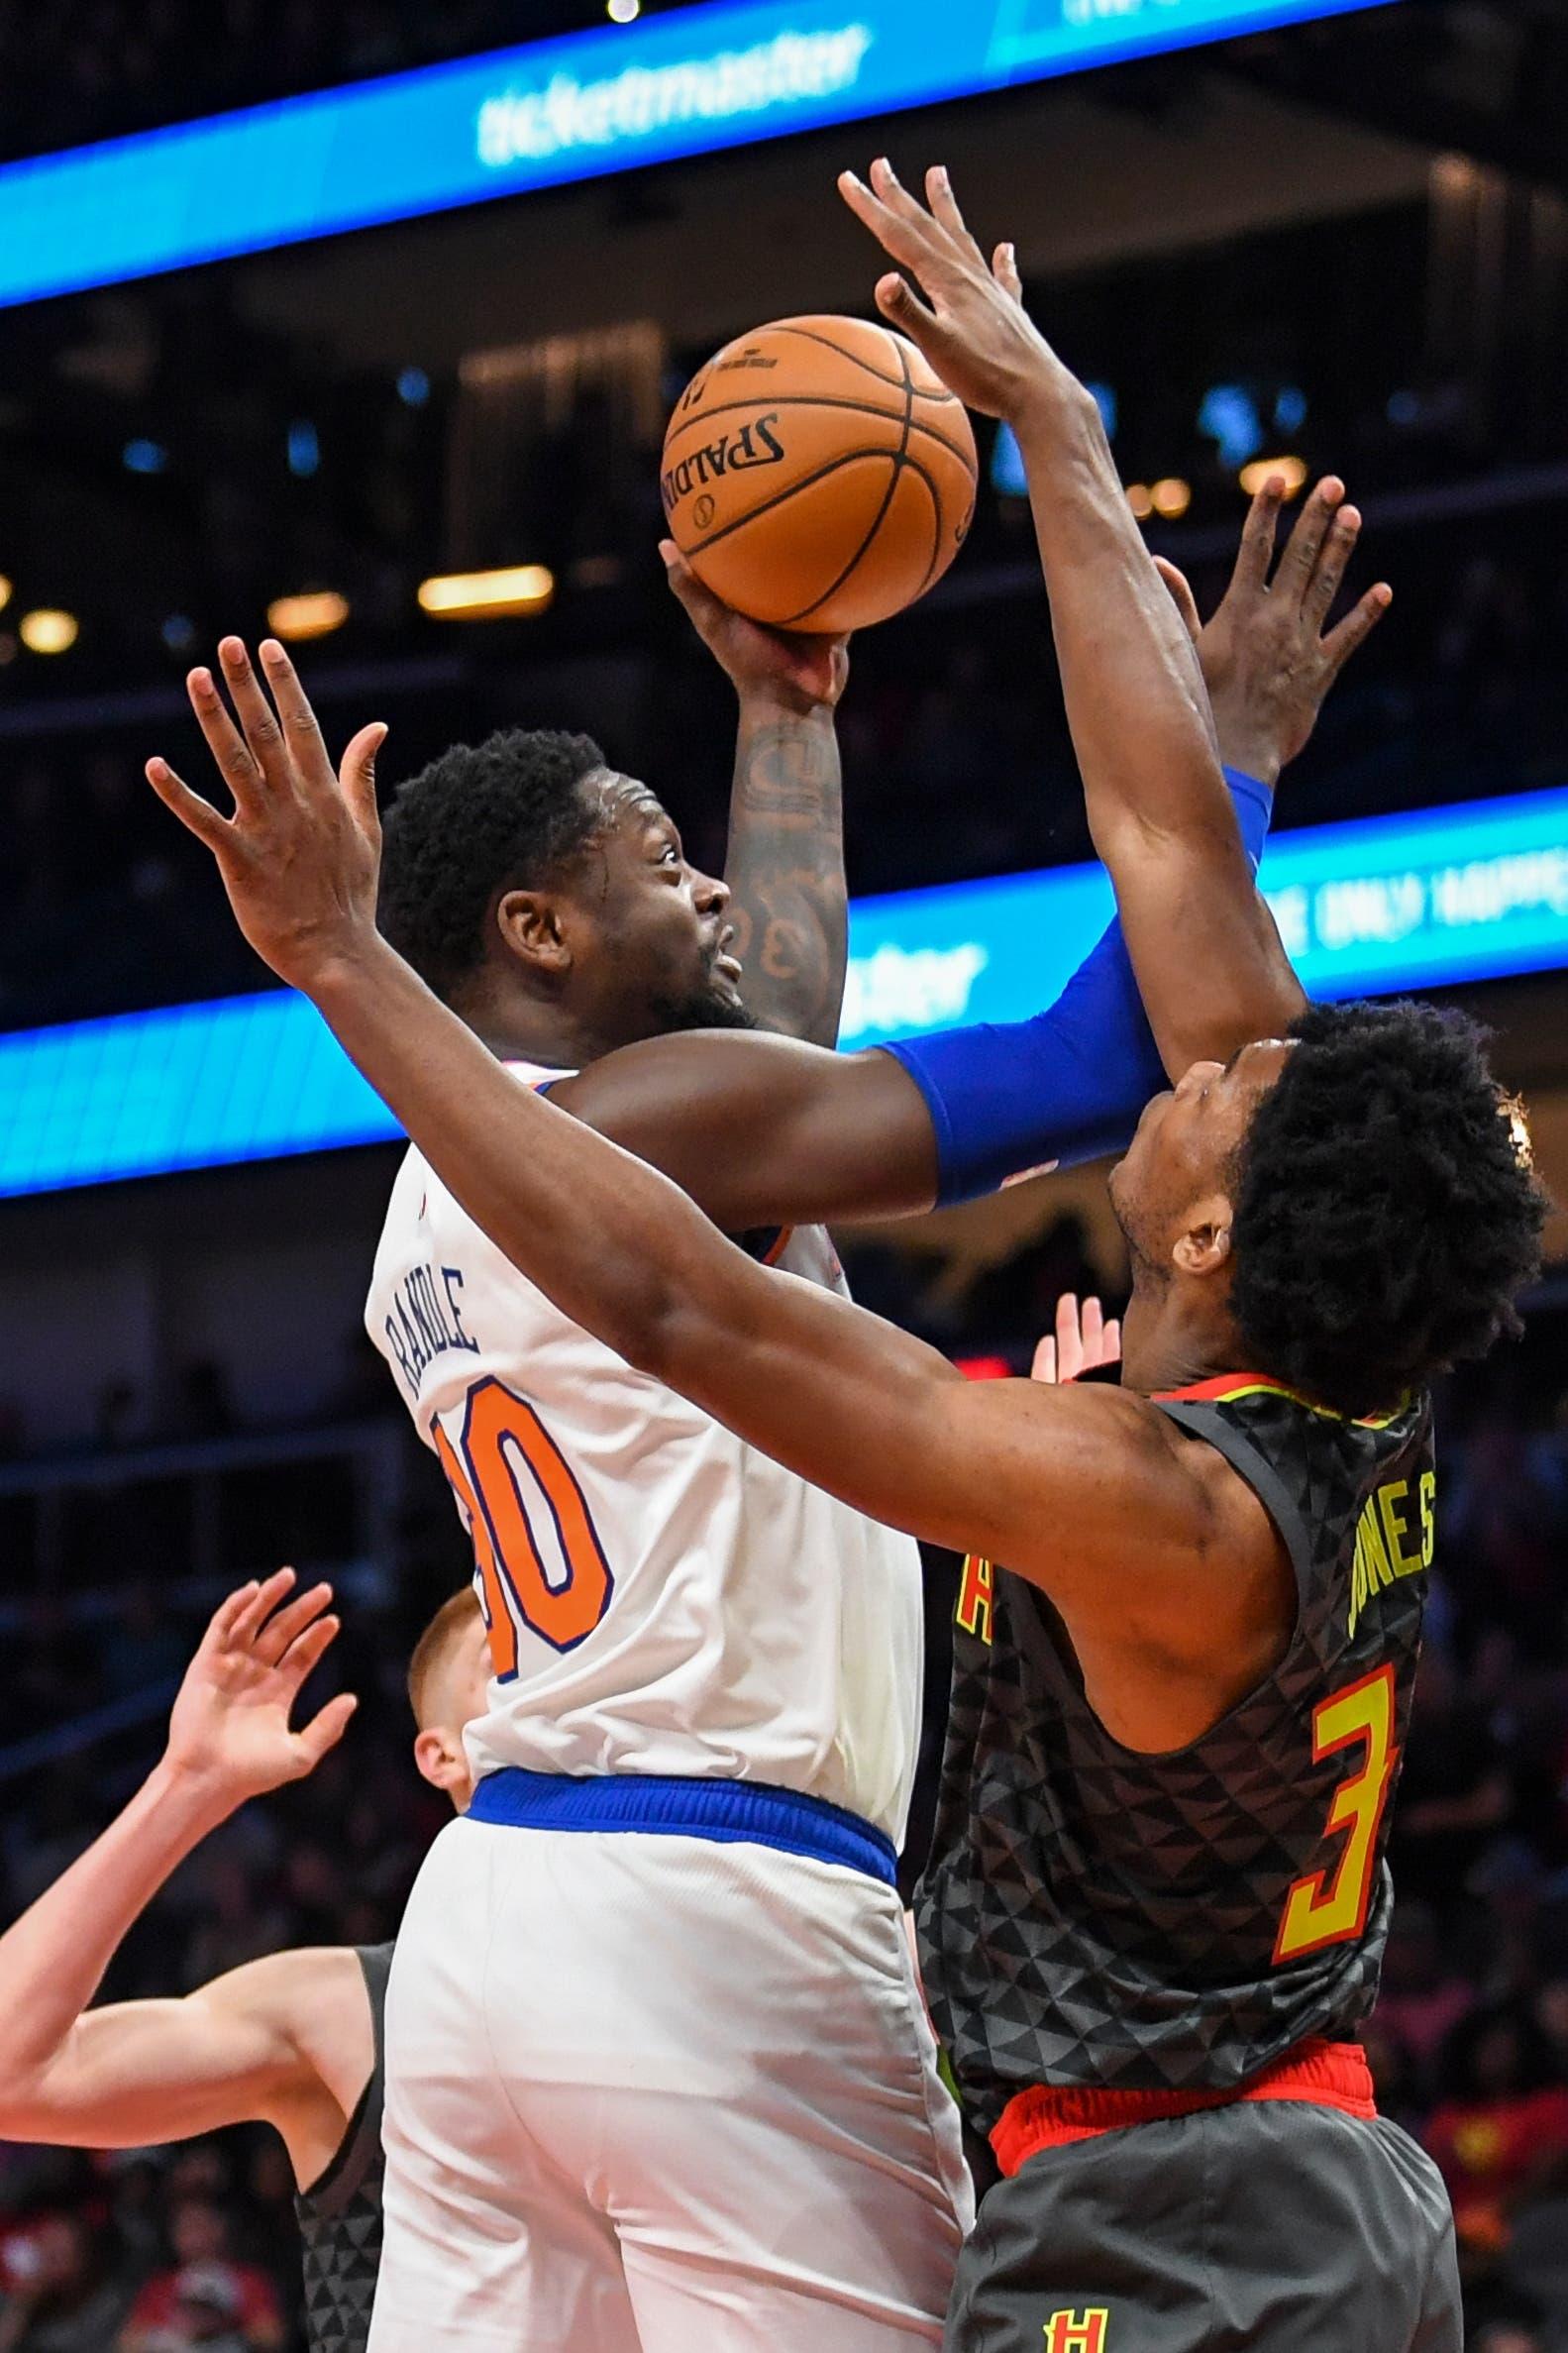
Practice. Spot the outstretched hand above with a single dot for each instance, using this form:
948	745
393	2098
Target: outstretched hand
1266	661
806	672
1083	1341
229	1733
300	855
972	325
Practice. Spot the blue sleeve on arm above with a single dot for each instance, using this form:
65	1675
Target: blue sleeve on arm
1069	1083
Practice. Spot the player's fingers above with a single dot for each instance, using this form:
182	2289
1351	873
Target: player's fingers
1004	269
1356	627
306	1651
945	210
264	733
324	1731
898	300
263	1600
298	720
356	776
1305	543
892	230
909	209
1069	1339
1182	597
220	1626
272	1639
1338	548
236	764
1092	1323
1256	552
1110	1346
1044	1365
198	817
699	601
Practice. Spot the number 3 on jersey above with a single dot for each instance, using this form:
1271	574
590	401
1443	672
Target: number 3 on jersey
502	1465
1330	1907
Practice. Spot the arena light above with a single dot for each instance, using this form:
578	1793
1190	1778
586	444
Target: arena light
1171	497
5	592
49	631
316	613
623	12
487	595
1141	500
1290	470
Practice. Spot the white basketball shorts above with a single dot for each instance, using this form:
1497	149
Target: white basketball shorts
659	2089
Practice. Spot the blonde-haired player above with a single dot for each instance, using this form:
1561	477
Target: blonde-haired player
293	2040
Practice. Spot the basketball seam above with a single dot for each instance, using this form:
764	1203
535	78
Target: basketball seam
900	459
811	335
864	408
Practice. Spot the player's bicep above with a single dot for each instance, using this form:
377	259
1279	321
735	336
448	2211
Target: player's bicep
146	2070
765	1131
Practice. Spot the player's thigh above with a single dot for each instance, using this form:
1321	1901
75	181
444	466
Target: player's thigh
489	2246
738	2065
1278	2228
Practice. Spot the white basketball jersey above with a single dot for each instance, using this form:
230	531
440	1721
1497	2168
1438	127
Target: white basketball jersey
662	1598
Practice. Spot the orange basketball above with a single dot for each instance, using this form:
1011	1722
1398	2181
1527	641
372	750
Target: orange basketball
819	474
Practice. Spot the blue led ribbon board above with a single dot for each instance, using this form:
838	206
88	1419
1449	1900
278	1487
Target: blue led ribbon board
612	100
1375	905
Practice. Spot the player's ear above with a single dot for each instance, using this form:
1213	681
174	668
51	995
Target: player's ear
1202	1245
440	1757
531	930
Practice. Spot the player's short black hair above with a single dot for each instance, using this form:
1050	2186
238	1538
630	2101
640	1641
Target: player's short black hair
1386	1214
503	814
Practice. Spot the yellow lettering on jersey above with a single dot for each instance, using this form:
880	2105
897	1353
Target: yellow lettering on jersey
1388	1544
976	1593
1079	2333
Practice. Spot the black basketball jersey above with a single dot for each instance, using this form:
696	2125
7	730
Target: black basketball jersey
340	2215
1095	1917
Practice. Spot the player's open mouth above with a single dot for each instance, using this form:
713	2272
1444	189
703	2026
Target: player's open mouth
727	967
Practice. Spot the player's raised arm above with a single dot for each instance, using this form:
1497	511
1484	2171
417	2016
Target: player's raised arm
152	2071
842	1398
1210	964
764	1130
784	867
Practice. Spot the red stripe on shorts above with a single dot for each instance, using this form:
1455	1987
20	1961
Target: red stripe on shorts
1329	2074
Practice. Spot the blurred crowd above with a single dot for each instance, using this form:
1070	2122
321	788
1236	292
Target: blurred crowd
157	2251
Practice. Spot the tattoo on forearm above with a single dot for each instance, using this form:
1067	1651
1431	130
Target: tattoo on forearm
788	776
785	870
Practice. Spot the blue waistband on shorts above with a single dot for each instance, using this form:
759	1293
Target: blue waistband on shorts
733	1813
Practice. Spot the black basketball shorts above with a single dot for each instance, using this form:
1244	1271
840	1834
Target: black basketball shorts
1266	2227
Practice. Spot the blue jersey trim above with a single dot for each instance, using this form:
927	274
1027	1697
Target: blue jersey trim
745	1813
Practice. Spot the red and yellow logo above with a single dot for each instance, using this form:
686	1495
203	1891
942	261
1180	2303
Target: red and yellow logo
976	1593
1079	2333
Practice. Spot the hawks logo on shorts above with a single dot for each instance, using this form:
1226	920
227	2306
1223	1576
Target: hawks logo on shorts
1079	2333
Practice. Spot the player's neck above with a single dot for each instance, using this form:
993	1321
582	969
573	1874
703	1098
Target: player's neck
521	1029
1170	1342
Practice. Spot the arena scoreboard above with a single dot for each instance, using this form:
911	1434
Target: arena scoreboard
612	99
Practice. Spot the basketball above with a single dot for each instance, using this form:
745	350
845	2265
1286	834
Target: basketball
818	475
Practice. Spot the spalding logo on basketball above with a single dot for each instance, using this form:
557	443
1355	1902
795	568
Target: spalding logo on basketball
818	475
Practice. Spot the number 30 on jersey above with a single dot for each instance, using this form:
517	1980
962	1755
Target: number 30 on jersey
511	1479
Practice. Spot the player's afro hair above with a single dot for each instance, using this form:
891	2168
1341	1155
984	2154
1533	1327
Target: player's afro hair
504	815
1386	1212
